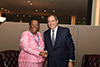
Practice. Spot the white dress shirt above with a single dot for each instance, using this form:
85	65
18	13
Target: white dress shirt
55	32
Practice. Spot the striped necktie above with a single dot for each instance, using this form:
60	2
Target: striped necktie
53	37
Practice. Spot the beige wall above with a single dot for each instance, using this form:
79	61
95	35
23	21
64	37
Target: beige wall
10	35
88	41
86	38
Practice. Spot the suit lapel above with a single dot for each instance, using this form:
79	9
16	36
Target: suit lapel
49	37
59	31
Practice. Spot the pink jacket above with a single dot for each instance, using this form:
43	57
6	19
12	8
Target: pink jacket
29	51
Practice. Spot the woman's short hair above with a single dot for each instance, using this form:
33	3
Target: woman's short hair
32	20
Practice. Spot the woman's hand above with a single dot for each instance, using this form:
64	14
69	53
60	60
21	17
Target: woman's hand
44	53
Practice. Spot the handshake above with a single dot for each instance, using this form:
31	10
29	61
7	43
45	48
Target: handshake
43	54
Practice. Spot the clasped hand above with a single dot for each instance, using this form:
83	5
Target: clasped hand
43	54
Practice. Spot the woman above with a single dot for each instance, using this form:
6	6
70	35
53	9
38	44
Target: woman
32	47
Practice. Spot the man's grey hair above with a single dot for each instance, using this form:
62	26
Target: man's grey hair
54	17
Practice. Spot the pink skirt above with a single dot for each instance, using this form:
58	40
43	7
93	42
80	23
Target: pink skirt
25	64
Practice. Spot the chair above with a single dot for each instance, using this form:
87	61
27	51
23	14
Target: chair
9	58
91	60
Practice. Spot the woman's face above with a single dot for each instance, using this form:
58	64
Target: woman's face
34	26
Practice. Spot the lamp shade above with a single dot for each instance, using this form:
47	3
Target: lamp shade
2	19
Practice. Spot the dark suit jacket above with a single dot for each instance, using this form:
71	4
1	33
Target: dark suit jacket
63	49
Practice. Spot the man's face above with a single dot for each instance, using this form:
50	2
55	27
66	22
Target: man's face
52	22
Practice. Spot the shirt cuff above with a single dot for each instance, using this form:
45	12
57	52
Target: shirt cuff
71	60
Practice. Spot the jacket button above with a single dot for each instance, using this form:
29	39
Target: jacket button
53	56
53	49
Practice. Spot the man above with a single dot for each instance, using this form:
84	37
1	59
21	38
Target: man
59	44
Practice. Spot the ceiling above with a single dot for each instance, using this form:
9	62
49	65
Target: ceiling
61	7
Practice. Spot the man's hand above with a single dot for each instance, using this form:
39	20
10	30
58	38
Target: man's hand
44	54
70	64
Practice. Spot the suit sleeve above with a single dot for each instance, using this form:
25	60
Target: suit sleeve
25	45
70	46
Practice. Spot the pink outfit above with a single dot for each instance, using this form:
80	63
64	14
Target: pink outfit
23	64
29	52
